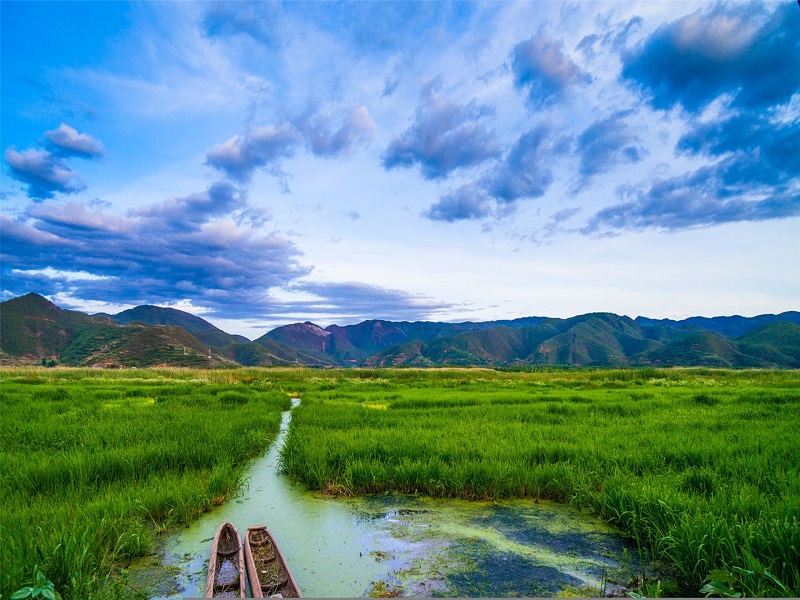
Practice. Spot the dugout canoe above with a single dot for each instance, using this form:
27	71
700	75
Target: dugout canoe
226	564
267	570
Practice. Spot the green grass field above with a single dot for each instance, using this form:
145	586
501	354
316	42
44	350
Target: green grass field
702	467
93	461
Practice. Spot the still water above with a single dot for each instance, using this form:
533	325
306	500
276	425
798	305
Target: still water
402	545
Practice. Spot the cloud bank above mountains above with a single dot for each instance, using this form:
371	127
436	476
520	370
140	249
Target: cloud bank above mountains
223	165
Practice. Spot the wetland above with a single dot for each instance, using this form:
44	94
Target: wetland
385	482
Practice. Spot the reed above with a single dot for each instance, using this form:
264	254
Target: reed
92	461
701	466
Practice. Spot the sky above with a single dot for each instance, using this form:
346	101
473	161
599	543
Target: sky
260	163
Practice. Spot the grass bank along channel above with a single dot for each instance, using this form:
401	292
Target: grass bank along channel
700	466
403	545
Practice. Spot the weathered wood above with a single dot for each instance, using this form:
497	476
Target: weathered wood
226	563
265	559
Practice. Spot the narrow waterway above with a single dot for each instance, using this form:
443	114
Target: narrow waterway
402	545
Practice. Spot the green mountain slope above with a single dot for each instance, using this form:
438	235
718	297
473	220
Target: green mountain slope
350	345
266	353
32	328
776	343
601	339
139	346
732	326
204	331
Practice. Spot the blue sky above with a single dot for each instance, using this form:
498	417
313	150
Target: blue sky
264	163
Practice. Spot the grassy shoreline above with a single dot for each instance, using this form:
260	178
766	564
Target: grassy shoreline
701	466
92	461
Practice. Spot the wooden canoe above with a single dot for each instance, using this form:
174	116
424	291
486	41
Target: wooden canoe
226	565
267	570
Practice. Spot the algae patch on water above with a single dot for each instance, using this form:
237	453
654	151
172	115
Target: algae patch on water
485	549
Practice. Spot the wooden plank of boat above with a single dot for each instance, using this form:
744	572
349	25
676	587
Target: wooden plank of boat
267	570
226	564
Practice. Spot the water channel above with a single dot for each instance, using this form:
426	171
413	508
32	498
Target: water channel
402	545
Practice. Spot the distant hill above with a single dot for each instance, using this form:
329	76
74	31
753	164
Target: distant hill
140	345
729	326
601	339
33	328
352	344
204	331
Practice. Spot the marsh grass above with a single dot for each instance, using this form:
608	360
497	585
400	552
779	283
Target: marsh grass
91	462
701	466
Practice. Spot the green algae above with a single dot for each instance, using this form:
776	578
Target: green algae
392	544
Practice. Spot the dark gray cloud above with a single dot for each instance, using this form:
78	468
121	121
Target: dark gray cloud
606	143
66	141
44	173
541	66
524	172
202	247
254	19
444	137
748	51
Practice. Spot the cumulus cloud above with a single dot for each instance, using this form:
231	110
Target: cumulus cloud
66	141
541	66
239	156
606	143
44	173
757	150
324	138
687	202
742	50
444	137
470	201
524	172
191	212
753	174
193	247
329	134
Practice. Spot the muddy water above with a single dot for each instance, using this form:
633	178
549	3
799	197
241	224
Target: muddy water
401	545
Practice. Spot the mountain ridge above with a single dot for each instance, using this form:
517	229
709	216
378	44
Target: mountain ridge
32	328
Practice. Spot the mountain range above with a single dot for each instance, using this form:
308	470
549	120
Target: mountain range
33	330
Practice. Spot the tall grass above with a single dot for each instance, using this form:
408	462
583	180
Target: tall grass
702	467
91	461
